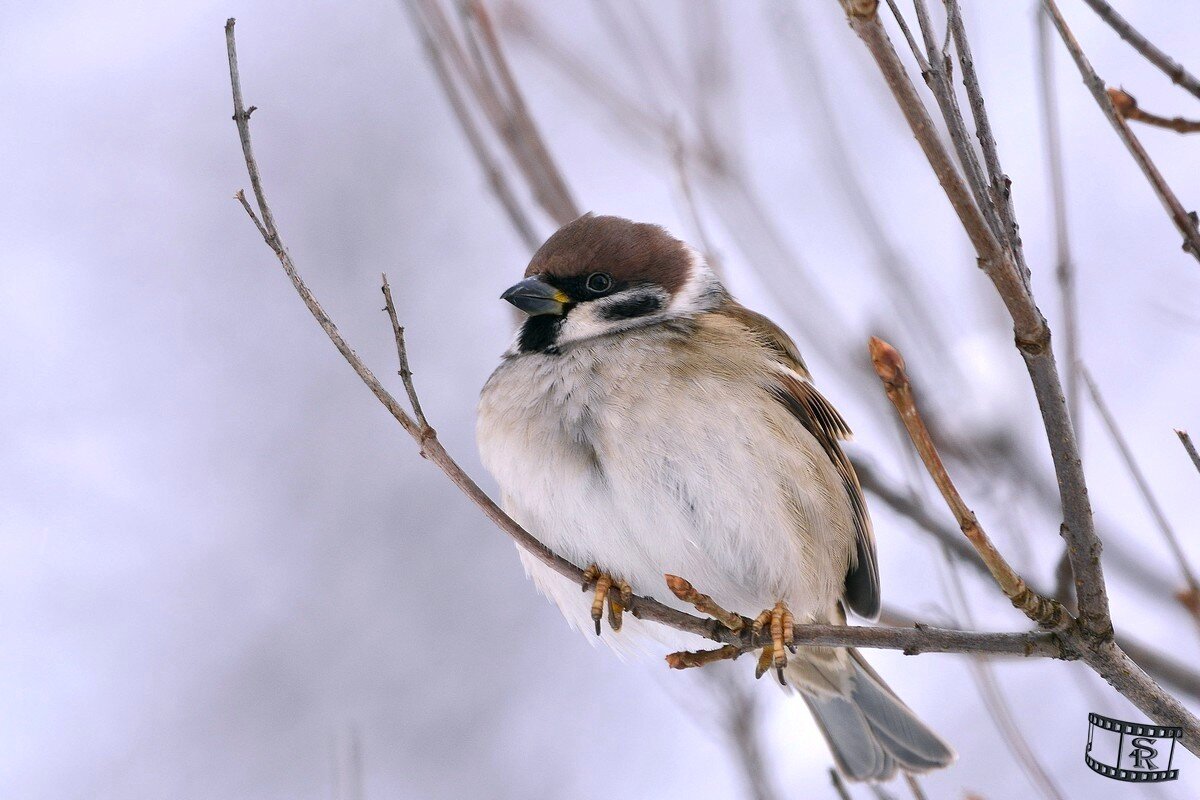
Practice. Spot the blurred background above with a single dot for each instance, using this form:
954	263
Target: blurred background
225	572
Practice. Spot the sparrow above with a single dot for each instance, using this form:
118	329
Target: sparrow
644	423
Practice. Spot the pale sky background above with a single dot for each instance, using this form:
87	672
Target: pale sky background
220	561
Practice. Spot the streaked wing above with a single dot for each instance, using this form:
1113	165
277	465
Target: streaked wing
793	388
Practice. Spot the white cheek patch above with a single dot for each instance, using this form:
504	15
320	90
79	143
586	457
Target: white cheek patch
700	292
614	313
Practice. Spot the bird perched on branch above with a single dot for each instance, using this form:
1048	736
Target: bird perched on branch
644	423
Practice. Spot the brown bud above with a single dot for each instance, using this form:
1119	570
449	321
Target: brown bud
889	364
1122	101
681	588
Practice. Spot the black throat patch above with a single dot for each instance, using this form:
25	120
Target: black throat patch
539	334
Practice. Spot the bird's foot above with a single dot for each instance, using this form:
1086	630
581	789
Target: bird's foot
774	655
599	583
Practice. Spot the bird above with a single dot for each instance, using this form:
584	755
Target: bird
645	424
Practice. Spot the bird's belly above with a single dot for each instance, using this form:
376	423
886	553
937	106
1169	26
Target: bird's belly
703	494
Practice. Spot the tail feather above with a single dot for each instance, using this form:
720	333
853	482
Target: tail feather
858	753
871	732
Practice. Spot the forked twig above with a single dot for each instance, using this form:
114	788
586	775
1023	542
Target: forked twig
1031	331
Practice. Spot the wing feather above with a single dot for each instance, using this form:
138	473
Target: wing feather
792	387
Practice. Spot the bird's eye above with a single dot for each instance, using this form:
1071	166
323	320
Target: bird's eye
599	282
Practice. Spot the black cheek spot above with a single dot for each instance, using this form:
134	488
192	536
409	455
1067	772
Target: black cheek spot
633	307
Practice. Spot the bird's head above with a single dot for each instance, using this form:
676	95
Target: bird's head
600	275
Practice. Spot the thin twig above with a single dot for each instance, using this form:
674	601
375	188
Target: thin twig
922	62
1184	221
1064	270
941	84
1186	440
1148	497
402	354
1127	106
999	186
890	367
1064	264
1172	68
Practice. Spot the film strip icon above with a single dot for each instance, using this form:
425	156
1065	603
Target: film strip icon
1131	751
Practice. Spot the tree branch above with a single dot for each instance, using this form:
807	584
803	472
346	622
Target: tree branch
1032	332
1092	631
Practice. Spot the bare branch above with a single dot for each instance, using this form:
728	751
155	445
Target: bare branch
890	367
1184	221
999	186
1127	106
1172	68
942	85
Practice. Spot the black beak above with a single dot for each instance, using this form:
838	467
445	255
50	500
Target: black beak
535	296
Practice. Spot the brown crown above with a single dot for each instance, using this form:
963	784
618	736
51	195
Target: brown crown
626	250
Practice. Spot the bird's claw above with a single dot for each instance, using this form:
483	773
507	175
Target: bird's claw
600	583
781	624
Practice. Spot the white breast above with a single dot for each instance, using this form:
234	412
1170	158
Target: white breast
646	454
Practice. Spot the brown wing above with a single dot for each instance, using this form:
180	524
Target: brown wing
770	334
826	425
